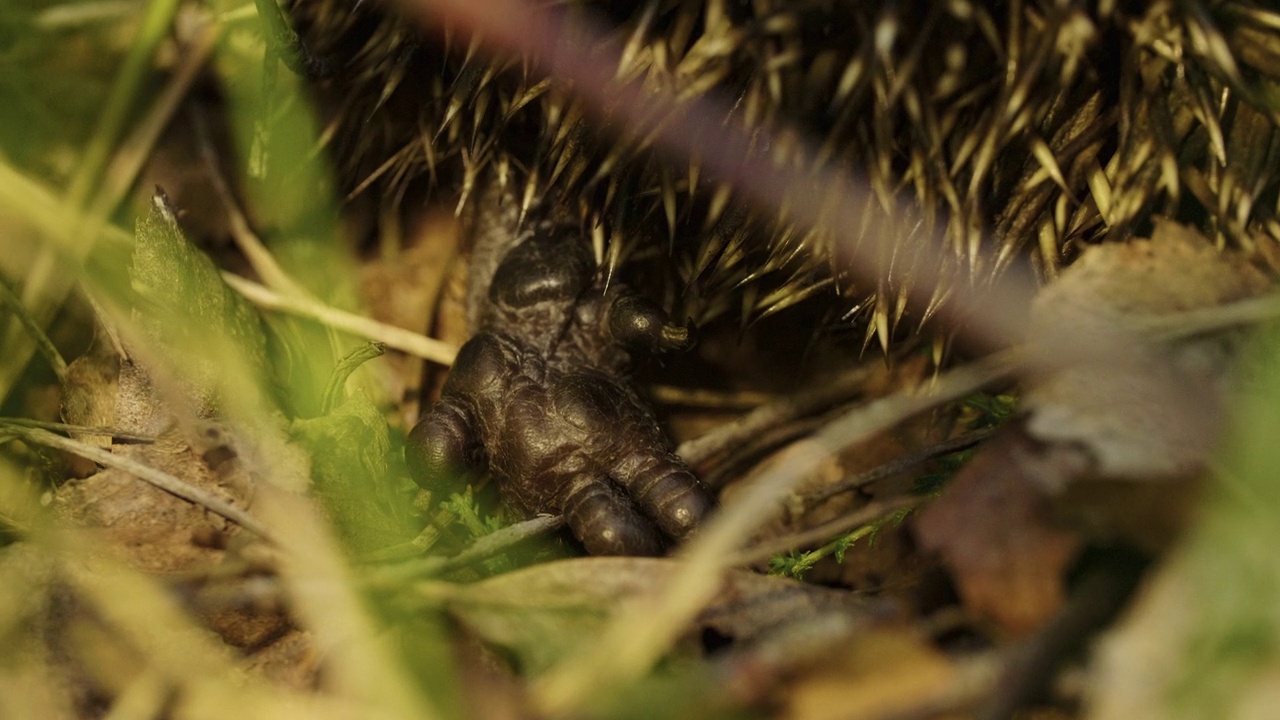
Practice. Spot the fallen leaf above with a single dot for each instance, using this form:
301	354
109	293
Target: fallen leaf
995	531
888	672
545	612
404	289
1091	430
1134	420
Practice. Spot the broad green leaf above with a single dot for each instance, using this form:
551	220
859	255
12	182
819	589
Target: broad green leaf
214	337
350	448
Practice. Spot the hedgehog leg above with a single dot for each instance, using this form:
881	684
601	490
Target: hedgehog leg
665	490
605	522
443	447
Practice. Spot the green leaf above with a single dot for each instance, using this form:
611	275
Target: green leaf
201	326
468	512
349	450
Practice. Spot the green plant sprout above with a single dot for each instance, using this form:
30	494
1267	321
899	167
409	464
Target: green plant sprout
469	515
797	564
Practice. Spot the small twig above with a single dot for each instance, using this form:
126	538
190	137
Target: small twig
842	389
708	399
824	532
163	480
738	462
857	424
259	257
1195	322
415	344
897	465
113	433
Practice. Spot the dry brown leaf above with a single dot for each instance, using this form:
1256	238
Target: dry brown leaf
996	534
886	673
1092	429
405	291
1128	418
542	613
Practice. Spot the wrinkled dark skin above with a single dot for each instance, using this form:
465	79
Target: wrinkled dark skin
539	394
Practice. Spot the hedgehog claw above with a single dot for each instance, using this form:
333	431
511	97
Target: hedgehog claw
576	442
640	324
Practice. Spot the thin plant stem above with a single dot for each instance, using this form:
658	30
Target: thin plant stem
43	345
415	344
157	478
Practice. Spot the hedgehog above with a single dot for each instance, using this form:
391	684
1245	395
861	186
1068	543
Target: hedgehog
989	135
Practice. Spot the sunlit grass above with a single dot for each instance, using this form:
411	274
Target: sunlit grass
173	314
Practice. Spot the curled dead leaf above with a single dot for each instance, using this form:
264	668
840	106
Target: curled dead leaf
1144	420
996	533
1112	443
